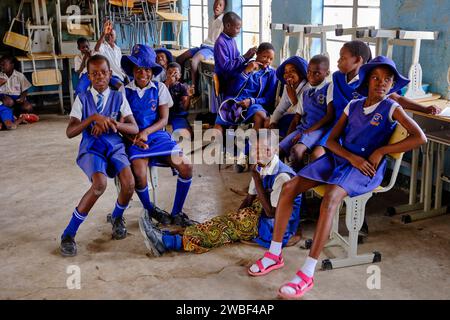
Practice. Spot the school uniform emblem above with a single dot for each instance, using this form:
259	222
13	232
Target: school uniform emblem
377	118
321	99
356	95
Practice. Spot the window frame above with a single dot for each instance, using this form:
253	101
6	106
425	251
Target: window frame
262	6
203	28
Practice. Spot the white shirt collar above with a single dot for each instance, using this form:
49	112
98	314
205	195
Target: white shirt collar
95	93
132	85
270	169
301	86
321	85
356	78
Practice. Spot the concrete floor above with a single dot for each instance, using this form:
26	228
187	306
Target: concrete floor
41	184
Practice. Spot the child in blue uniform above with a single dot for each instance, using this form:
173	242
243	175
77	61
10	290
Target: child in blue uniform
100	114
313	114
163	58
252	222
181	97
228	61
353	168
150	102
251	93
292	73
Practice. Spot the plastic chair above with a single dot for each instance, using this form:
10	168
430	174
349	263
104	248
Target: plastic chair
354	217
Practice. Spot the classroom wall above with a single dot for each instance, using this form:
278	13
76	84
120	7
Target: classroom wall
421	15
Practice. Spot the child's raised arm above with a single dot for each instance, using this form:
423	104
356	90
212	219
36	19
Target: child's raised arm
415	139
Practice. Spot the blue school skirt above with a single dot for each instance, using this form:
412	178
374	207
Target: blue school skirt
6	114
103	157
179	121
247	116
160	144
310	140
333	169
204	50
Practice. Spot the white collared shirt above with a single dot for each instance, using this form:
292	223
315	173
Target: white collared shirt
277	185
114	55
161	77
299	108
372	108
285	105
77	107
164	96
15	84
331	88
214	30
78	60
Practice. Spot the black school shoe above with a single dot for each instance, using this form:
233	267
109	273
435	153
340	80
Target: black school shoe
160	215
119	231
152	237
181	219
68	246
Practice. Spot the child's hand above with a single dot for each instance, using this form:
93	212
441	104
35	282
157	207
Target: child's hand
296	138
140	144
273	126
363	165
253	66
375	158
107	27
433	109
245	103
141	137
191	90
250	53
2	81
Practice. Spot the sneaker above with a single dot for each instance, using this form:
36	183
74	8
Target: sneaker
119	231
68	246
181	219
162	216
152	237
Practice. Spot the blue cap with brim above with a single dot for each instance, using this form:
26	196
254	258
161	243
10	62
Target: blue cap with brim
142	56
300	64
166	52
364	73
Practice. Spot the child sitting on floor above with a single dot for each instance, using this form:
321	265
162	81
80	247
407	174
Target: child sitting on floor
150	102
100	114
181	96
163	58
252	92
351	169
292	73
313	114
253	221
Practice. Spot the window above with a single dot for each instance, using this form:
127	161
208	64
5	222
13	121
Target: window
256	17
349	13
198	22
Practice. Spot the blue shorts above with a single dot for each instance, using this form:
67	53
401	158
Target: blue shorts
179	122
6	114
204	50
84	83
12	96
160	144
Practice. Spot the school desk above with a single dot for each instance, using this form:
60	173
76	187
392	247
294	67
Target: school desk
437	130
43	62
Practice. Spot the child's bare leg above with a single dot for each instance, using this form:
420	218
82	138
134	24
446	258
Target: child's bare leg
297	153
126	186
139	167
259	119
317	152
26	107
10	125
97	188
8	101
182	60
196	60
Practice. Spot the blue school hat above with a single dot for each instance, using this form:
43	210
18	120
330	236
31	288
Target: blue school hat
230	111
364	72
166	52
141	56
300	64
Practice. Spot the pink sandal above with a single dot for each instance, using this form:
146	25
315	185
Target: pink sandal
301	288
279	263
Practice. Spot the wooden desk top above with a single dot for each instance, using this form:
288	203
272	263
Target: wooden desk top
209	62
442	103
177	53
45	56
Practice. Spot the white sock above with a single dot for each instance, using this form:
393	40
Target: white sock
308	269
275	249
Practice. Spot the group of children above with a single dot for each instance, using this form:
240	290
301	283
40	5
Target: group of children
344	125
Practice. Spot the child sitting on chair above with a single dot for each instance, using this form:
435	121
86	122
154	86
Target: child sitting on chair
292	73
253	221
100	114
163	58
181	97
206	50
80	63
313	116
351	169
252	93
13	95
150	102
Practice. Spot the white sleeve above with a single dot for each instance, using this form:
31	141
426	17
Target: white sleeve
77	63
276	189
125	109
299	105
252	188
281	108
347	109
330	92
77	109
164	95
24	83
391	111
